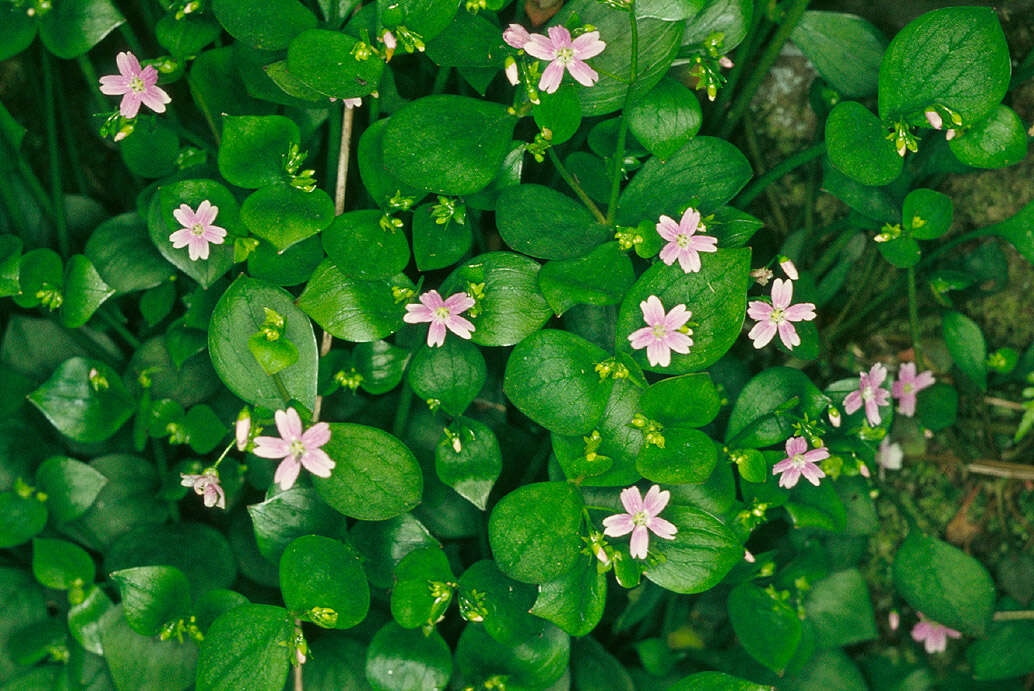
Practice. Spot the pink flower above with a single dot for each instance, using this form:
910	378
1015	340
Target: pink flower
863	470
297	448
563	52
516	36
889	456
779	316
663	332
443	314
641	517
800	461
934	118
242	429
682	244
932	635
511	72
197	230
894	620
788	267
870	393
748	557
135	85
725	62
207	485
908	384
390	43
950	134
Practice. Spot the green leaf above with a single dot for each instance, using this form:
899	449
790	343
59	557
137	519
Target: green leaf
362	249
845	49
319	572
705	173
688	456
535	663
10	257
944	583
760	416
376	476
453	374
266	25
24	518
543	223
412	602
967	347
17	29
534	531
352	309
40	269
504	603
703	551
70	485
1008	651
575	601
512	307
139	663
60	565
285	215
1018	230
559	112
901	252
438	245
767	628
448	144
690	400
151	150
288	515
857	145
955	57
872	202
592	667
426	17
124	256
152	596
381	365
716	295
469	41
665	118
79	409
551	378
240	313
324	60
85	620
187	35
927	214
246	647
840	609
72	27
715	681
938	406
383	545
832	669
602	277
381	184
819	507
730	18
85	291
253	147
997	141
288	268
406	660
289	84
161	224
473	468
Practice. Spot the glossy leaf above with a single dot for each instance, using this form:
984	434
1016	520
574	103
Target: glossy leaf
857	145
79	404
247	646
352	309
602	277
319	572
543	223
703	551
468	459
533	531
362	249
665	118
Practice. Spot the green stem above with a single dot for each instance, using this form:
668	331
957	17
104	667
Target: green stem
619	150
792	163
10	201
775	46
398	427
57	195
134	43
119	328
573	184
913	315
952	244
163	470
743	53
70	141
440	80
833	251
92	83
281	389
333	147
32	182
1014	615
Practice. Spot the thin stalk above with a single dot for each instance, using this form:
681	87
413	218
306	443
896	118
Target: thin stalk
333	135
778	171
57	195
573	184
119	328
344	152
829	255
92	82
742	58
70	142
398	427
1014	615
775	46
619	149
913	315
163	470
754	150
281	389
9	199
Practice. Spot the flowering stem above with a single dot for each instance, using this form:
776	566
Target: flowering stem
775	46
573	184
792	163
119	328
57	195
163	470
754	153
344	151
398	427
619	149
281	389
913	315
1014	615
743	53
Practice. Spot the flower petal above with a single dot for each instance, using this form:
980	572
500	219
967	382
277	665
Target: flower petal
318	462
617	525
460	326
655	500
658	354
653	310
661	528
287	473
458	303
436	334
762	333
316	436
538	46
640	338
632	500
640	543
551	77
417	314
289	424
582	73
758	310
853	401
588	45
782	293
127	64
667	228
788	335
432	300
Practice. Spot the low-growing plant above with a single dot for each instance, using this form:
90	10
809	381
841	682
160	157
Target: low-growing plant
418	344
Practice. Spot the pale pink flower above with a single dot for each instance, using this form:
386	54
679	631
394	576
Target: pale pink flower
511	72
800	461
663	333
516	36
932	635
934	118
641	517
242	429
390	43
834	416
135	85
198	229
889	456
907	385
748	557
788	267
298	449
863	470
443	314
779	316
725	62
562	53
869	393
683	243
894	619
950	134
206	485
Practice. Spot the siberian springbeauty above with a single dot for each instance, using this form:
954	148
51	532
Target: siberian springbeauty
684	244
136	85
641	518
198	231
779	316
562	52
932	635
664	332
297	447
443	314
869	394
801	461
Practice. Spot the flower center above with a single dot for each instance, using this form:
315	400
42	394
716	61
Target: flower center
867	393
441	313
907	388
777	316
660	331
565	55
197	229
640	518
297	447
137	85
682	240
798	460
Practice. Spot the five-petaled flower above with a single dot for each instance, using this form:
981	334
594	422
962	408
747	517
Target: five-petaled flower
683	243
663	333
869	393
206	485
562	52
779	316
298	449
135	86
800	461
889	456
443	314
641	517
932	635
198	229
907	385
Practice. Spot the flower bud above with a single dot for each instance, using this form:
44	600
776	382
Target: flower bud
512	75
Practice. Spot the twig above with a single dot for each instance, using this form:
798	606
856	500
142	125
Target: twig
1014	615
1012	471
1002	403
